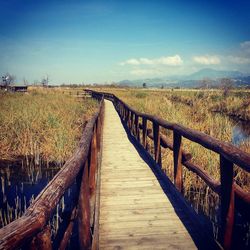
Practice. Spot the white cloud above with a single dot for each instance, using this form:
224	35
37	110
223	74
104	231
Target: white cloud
245	45
146	61
165	60
239	60
207	59
132	61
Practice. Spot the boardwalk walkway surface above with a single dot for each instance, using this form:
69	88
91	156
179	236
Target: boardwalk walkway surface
134	211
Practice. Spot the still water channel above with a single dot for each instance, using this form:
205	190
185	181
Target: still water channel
21	182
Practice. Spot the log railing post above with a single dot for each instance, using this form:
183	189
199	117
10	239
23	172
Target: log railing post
93	162
123	113
119	108
131	122
126	116
42	241
98	133
137	131
177	161
157	146
144	132
84	211
227	202
67	234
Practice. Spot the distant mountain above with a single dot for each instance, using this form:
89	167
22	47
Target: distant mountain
191	81
213	74
151	82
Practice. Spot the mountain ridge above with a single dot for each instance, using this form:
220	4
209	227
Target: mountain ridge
191	80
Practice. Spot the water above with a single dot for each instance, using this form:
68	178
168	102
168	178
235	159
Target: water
240	132
21	182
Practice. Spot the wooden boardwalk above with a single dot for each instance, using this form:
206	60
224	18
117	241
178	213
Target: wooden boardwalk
135	213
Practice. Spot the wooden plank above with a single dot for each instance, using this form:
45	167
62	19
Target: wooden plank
146	242
150	211
171	229
128	217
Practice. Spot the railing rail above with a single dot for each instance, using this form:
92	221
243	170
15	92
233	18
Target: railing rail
32	230
230	193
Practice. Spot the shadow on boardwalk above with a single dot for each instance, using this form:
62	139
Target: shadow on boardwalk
197	225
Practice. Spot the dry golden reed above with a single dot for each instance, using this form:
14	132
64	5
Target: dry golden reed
44	124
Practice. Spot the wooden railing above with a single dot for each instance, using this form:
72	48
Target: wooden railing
230	193
32	230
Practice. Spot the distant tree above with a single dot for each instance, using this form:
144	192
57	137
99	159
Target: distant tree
45	81
162	86
205	83
144	85
226	85
7	80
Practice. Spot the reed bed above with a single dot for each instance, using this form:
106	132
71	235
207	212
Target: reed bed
235	104
43	124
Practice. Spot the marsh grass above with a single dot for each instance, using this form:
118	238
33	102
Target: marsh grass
42	124
235	104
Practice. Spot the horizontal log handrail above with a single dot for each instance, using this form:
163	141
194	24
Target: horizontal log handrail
229	155
33	223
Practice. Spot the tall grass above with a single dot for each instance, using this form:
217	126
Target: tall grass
236	103
45	125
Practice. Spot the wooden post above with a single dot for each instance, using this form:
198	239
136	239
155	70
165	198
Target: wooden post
84	211
98	133
68	232
128	117
177	161
144	132
119	108
131	122
124	114
227	202
93	162
42	241
157	146
137	131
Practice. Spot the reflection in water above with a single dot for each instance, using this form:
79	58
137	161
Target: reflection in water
241	132
21	183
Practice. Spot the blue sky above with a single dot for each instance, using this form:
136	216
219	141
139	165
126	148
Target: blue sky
105	41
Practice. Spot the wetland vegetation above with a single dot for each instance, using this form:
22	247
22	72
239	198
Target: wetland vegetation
39	131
